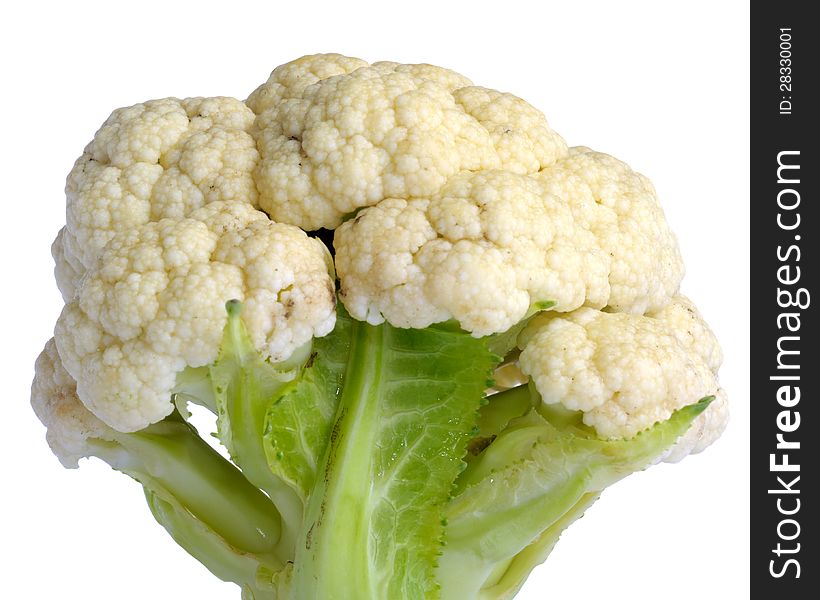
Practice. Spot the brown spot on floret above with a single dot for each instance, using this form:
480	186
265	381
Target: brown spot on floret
331	289
289	304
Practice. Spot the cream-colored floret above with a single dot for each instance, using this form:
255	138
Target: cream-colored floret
335	135
587	231
621	209
154	304
68	270
289	80
54	399
162	158
627	372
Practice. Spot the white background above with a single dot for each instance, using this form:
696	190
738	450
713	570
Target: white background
663	86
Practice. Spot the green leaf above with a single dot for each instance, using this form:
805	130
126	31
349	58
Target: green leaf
194	385
406	409
298	424
534	476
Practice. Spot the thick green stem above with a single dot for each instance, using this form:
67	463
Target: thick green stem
503	407
408	404
535	475
333	562
172	460
202	500
505	583
219	557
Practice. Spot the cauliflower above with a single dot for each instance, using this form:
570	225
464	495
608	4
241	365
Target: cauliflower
336	134
159	159
586	231
153	304
510	341
626	372
55	402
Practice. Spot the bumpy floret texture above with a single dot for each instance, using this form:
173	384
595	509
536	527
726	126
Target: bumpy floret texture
55	402
627	372
158	159
585	231
335	135
154	304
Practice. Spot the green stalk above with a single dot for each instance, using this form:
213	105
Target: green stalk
506	582
170	459
407	407
535	476
503	407
219	557
245	387
333	563
202	500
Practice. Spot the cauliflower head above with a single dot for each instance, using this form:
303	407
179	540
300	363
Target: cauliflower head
507	303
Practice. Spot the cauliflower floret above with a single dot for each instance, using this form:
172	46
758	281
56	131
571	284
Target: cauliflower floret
621	209
154	304
587	231
626	372
289	80
68	270
55	402
161	158
335	135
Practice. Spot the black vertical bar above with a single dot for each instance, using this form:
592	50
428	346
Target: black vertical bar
785	227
